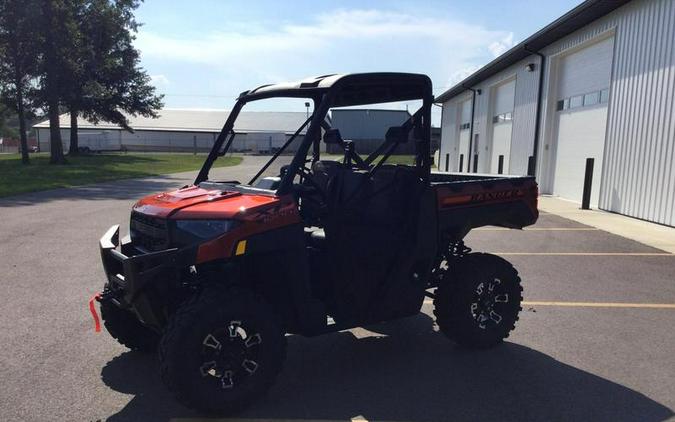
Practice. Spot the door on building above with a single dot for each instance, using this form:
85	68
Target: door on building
502	125
583	78
463	153
464	134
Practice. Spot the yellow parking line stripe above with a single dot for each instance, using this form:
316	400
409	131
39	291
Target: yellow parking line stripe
602	304
586	253
593	304
531	229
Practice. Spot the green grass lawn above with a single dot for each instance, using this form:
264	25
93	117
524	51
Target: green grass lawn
394	159
40	175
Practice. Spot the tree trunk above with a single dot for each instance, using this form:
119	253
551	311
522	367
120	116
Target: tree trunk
22	124
55	144
74	148
51	90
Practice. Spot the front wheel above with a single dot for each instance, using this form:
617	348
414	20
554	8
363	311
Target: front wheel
477	304
221	350
127	330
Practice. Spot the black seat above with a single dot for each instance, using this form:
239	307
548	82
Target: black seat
332	136
323	172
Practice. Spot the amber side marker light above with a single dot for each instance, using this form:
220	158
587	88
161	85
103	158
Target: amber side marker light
241	248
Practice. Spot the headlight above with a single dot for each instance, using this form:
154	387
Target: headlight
190	231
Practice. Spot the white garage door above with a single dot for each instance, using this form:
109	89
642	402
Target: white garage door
464	132
502	122
581	117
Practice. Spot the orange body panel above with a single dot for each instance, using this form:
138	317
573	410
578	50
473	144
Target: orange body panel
255	213
476	195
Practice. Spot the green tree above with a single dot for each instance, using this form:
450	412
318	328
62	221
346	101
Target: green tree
57	71
110	84
6	129
18	60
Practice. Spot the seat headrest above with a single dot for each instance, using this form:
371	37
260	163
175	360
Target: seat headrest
396	135
332	137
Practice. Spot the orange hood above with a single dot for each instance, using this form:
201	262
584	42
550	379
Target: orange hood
193	202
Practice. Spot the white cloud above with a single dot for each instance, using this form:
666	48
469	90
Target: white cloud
499	47
340	41
159	80
461	74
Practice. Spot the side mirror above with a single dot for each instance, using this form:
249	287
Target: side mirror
332	137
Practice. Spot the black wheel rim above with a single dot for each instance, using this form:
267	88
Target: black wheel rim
489	298
230	355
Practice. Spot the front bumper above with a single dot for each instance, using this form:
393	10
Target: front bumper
139	281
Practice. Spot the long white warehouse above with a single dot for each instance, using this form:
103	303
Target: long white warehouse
597	83
180	130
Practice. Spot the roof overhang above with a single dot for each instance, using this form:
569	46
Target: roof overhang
571	21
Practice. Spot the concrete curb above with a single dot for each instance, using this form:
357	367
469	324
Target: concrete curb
651	234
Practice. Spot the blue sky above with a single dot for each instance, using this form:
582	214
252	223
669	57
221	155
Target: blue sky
202	53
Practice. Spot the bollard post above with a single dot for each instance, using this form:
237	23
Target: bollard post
500	165
588	182
475	163
447	162
461	162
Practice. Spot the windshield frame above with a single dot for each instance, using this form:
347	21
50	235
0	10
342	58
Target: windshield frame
323	99
226	136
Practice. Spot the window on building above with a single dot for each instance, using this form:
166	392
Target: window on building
502	118
584	100
592	98
464	126
576	101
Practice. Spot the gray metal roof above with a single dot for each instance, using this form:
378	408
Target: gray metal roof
191	120
576	18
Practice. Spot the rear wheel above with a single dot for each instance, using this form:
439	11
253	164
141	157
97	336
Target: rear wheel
127	330
221	351
478	303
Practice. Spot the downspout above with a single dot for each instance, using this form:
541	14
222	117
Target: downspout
473	111
440	141
537	124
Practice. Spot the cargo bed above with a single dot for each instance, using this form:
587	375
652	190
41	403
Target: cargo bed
466	201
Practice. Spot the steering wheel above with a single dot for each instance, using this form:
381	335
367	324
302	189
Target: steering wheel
305	174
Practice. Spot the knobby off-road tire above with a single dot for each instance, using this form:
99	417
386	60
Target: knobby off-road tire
127	330
477	306
221	350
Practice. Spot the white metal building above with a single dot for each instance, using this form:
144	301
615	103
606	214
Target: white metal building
181	130
598	83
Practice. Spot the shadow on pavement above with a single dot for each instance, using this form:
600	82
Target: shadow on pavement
135	188
130	189
411	374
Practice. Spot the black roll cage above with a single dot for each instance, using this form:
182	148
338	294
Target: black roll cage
338	91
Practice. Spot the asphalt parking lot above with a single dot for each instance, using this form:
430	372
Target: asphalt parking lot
595	339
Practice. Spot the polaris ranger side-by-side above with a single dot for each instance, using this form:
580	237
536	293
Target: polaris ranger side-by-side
215	274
